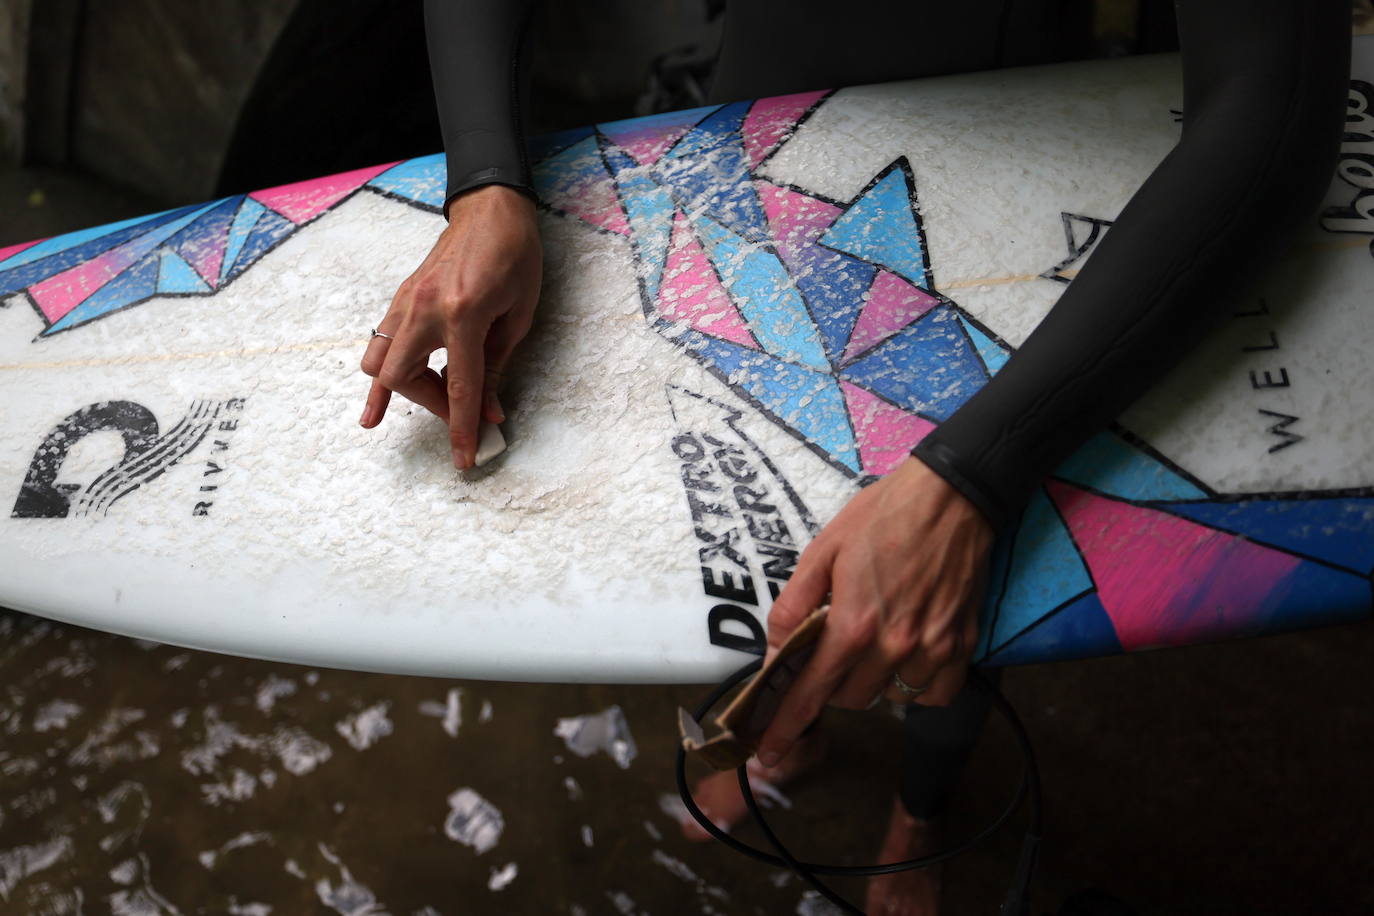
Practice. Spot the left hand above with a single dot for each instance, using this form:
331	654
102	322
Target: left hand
904	563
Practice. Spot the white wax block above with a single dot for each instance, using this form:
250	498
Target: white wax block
490	443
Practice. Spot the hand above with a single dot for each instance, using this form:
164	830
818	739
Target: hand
904	564
474	295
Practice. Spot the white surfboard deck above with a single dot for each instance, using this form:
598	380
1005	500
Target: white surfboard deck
287	532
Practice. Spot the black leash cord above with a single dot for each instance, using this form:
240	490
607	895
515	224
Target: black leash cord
1017	901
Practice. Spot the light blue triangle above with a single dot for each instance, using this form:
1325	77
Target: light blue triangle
880	227
994	357
649	210
761	288
239	231
423	180
1110	465
1046	570
808	402
176	276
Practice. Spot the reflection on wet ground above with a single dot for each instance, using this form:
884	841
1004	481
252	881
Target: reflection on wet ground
138	778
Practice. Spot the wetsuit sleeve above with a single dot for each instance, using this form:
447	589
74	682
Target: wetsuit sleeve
1264	86
480	78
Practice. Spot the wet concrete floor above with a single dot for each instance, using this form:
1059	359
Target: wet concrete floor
138	778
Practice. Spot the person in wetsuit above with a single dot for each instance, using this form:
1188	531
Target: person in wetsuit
904	561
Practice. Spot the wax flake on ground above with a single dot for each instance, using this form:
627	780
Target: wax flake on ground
502	877
367	727
450	711
347	897
671	804
606	731
473	821
574	790
587	837
271	690
485	713
210	858
20	862
55	714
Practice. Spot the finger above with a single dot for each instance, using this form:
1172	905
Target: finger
464	390
378	397
804	593
867	682
804	700
427	390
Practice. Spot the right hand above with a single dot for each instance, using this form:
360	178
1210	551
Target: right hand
474	295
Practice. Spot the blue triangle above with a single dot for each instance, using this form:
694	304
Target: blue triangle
807	402
880	226
649	210
572	167
928	367
665	122
208	230
1315	595
708	172
270	228
134	285
1110	465
1046	570
239	230
761	288
1080	629
1338	530
423	180
174	275
545	145
833	285
51	257
994	356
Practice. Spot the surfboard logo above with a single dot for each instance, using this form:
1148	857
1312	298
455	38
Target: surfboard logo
148	453
749	522
1356	166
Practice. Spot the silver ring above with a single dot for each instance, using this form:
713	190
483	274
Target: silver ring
907	689
377	333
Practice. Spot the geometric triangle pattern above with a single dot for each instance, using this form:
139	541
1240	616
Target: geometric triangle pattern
823	315
882	226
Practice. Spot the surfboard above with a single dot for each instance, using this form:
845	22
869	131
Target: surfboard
750	311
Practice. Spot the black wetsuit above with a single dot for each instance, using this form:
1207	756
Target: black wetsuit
1264	97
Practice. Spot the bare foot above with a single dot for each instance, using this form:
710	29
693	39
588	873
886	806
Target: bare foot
915	892
719	797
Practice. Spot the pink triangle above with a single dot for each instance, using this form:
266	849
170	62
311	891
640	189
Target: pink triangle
305	200
893	303
692	293
60	293
590	197
12	250
886	434
795	218
1165	580
770	120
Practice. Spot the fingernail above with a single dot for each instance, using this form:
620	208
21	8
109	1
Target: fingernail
768	758
460	462
368	413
